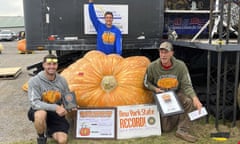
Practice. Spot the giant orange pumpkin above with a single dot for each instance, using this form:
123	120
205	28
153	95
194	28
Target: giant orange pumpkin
108	80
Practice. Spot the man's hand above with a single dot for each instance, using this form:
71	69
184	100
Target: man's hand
197	103
158	90
90	1
61	111
73	109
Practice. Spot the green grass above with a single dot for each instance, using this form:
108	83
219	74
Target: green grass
199	129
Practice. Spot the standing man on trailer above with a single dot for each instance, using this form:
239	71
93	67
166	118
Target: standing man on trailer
109	37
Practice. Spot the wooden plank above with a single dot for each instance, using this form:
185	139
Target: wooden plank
10	73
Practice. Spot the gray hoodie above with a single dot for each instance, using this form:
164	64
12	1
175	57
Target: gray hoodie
39	84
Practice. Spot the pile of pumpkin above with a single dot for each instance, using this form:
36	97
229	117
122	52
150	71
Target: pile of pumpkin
100	80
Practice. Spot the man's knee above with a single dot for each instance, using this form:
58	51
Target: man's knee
186	102
60	137
62	140
188	105
40	119
40	115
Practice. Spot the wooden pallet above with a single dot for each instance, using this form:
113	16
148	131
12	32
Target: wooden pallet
10	73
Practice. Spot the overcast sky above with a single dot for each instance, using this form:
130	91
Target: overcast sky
11	7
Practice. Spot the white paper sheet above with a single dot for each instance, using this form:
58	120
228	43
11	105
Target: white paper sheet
195	114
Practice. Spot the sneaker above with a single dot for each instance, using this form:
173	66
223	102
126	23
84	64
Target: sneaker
186	136
41	140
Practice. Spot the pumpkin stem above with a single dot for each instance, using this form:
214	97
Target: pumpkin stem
108	83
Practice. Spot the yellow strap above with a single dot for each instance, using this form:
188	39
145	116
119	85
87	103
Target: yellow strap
219	138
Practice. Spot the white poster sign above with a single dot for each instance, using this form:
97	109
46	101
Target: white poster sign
120	17
96	123
137	121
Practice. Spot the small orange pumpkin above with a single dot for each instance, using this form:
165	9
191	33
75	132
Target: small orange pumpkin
108	80
108	37
25	86
167	83
166	97
22	48
1	48
84	131
21	45
51	96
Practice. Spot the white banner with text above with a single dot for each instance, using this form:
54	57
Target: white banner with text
137	121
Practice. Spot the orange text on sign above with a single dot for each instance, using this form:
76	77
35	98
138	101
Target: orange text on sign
132	122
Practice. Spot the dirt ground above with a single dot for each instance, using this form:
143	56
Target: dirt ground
14	125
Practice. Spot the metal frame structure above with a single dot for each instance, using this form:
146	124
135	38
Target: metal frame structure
222	49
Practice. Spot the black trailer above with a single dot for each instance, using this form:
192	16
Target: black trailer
61	25
205	35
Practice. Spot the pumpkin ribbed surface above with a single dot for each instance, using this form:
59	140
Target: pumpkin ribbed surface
108	80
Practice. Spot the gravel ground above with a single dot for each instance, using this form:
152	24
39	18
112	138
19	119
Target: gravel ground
14	125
